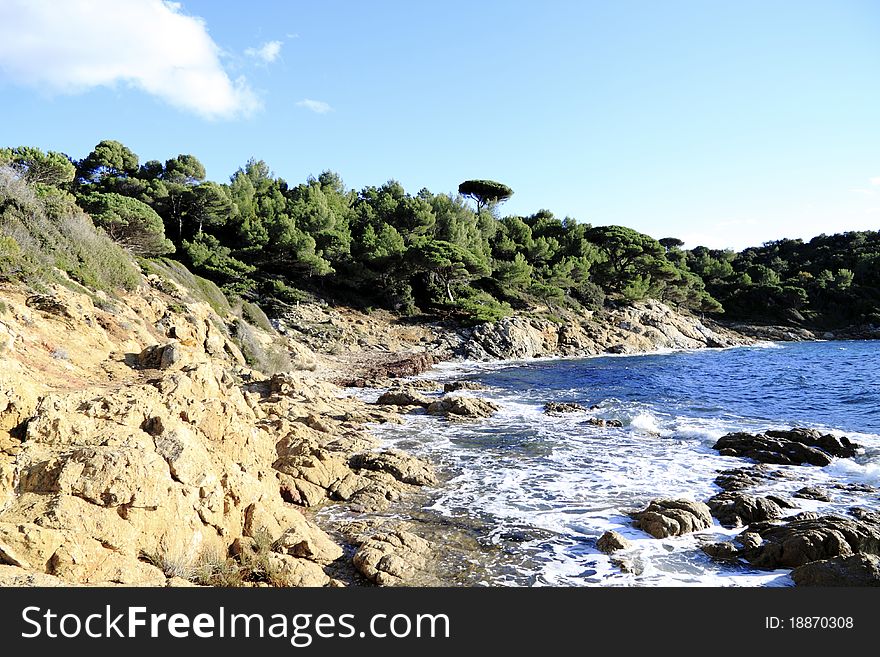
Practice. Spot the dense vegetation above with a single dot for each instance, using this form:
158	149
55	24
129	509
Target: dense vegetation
265	240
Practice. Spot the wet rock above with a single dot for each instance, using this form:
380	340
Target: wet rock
747	477
601	422
867	515
813	493
792	447
736	509
721	551
463	408
403	397
563	407
393	558
839	446
403	467
455	386
854	570
801	541
611	541
664	518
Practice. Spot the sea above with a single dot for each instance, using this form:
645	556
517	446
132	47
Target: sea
535	491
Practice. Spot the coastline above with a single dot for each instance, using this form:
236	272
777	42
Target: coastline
140	449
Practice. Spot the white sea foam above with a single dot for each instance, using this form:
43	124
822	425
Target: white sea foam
559	475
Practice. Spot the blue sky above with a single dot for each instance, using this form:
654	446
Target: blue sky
724	124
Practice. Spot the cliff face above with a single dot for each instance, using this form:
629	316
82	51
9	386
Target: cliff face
136	448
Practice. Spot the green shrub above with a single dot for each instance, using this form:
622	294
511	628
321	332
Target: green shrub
253	314
52	233
200	289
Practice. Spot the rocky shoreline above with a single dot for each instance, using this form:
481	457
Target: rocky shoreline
138	448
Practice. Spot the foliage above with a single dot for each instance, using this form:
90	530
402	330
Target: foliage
131	223
258	237
51	235
485	192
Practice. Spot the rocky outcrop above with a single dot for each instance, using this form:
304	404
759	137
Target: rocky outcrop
802	541
813	493
403	397
665	518
455	386
142	450
644	326
393	558
793	447
556	408
403	467
743	478
463	408
737	509
855	570
603	422
611	541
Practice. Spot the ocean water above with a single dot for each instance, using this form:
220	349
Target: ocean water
538	490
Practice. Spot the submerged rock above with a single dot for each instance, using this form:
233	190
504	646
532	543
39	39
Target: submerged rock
664	518
601	422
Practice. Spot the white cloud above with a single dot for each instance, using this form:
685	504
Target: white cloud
76	45
875	180
268	52
316	106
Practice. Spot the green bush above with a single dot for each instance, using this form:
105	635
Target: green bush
52	233
200	289
253	314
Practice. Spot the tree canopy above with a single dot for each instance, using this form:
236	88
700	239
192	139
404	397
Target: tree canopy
485	192
260	237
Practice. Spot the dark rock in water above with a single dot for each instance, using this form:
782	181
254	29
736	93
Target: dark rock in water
601	422
403	397
747	477
748	540
857	488
631	566
724	551
801	541
840	447
803	515
402	466
664	518
855	570
867	515
563	407
462	385
612	542
737	509
791	447
783	502
813	493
